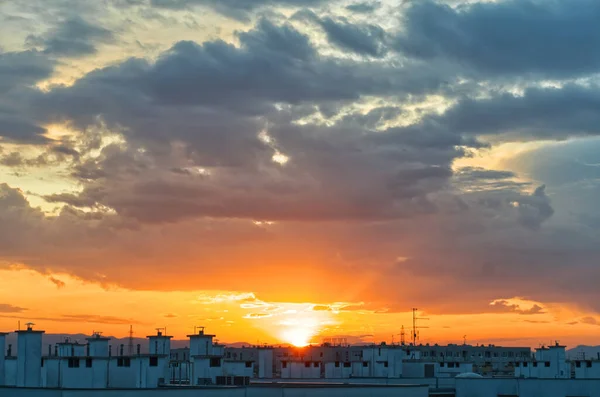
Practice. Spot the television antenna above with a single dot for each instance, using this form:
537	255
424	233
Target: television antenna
415	328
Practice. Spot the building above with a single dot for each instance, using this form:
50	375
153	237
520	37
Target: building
548	363
74	365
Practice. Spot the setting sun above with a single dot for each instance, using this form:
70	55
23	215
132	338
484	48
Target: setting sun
298	337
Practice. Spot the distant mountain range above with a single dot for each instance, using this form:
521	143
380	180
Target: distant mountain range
584	352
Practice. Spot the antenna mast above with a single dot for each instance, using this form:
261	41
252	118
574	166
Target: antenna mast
402	337
415	332
130	344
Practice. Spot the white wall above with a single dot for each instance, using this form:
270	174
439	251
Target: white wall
339	372
586	369
10	372
265	363
29	358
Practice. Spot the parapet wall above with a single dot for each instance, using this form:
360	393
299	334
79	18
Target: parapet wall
254	391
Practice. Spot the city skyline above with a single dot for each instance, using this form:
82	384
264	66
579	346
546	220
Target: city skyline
285	171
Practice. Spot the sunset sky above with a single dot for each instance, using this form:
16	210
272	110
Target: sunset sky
290	170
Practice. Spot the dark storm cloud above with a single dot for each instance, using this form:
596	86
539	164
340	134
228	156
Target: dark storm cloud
515	37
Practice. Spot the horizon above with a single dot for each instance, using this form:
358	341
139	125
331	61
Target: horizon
292	170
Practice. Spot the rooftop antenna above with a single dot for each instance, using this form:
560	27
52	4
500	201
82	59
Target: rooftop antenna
415	329
465	340
402	337
130	344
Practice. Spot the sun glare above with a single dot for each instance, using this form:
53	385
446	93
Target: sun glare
298	337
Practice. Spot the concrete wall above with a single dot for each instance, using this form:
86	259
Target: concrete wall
10	372
586	369
2	357
267	391
527	387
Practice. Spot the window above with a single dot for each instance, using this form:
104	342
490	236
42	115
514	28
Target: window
248	364
316	364
123	362
511	354
425	354
307	364
503	354
154	361
365	363
88	363
284	364
347	365
442	365
525	364
215	362
535	364
337	364
385	364
450	365
42	362
487	354
578	364
495	354
73	362
588	364
547	364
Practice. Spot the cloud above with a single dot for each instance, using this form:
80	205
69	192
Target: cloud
589	320
364	7
7	308
59	284
73	37
506	306
22	68
490	36
171	160
362	39
257	315
238	9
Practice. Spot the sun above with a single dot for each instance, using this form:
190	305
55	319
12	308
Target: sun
298	337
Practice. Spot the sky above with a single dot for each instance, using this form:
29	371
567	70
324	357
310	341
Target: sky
285	171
